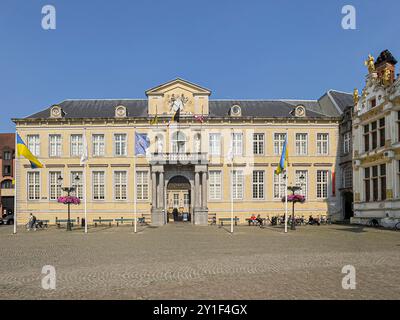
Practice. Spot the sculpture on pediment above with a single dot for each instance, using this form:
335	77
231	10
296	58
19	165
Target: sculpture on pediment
177	102
159	144
370	63
197	143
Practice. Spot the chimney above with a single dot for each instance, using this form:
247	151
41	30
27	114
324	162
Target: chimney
384	62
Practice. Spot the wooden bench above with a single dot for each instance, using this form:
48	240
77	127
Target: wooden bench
141	220
221	221
101	221
60	221
256	222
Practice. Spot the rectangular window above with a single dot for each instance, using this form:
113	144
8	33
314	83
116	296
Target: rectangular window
176	200
120	145
77	183
6	170
301	144
346	142
374	135
279	140
186	201
237	144
302	182
55	145
322	184
366	138
382	178
33	185
382	132
375	184
34	144
98	178
347	177
237	184
322	143
54	186
98	145
215	144
258	184
258	143
76	145
398	125
215	185
367	184
279	186
120	185
7	155
142	184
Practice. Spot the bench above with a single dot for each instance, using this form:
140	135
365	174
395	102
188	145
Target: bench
100	221
212	219
256	222
44	222
221	221
60	221
141	220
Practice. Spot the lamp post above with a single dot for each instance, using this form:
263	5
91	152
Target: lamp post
294	189
68	190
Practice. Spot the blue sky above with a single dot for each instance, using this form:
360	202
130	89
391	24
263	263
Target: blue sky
238	49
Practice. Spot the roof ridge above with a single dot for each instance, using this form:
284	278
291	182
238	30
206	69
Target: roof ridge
269	100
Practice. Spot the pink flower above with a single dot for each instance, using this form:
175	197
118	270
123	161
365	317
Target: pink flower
69	200
295	198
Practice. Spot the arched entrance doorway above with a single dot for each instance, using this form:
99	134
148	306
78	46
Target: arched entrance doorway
179	199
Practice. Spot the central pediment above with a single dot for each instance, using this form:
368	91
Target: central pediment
166	98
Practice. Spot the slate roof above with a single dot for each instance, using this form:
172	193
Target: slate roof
342	99
218	108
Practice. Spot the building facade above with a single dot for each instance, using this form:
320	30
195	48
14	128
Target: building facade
376	131
222	154
7	156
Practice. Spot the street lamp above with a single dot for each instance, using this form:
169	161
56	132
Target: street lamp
294	189
68	190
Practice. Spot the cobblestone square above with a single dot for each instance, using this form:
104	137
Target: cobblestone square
181	261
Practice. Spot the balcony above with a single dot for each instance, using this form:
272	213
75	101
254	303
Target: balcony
179	158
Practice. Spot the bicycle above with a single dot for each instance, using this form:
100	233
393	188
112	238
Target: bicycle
373	223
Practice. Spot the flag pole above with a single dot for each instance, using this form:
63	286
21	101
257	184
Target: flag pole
85	153
232	156
15	182
286	200
134	186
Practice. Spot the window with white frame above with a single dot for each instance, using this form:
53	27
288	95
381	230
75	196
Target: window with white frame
237	184
98	178
302	182
258	143
178	142
77	183
279	140
258	184
279	186
322	143
322	184
120	144
215	144
120	185
142	185
301	144
55	145
346	142
214	185
176	200
34	144
76	145
186	200
347	181
98	145
33	185
237	143
54	186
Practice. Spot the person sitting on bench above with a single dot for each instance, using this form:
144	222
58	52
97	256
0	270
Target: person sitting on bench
260	221
252	219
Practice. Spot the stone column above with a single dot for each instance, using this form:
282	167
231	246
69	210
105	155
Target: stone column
196	189
204	189
161	191
154	190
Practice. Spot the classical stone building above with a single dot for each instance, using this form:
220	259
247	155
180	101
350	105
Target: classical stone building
7	155
376	131
220	152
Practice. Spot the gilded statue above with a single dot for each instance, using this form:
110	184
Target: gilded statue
370	63
356	97
386	77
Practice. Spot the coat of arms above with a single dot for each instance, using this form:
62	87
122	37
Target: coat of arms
177	102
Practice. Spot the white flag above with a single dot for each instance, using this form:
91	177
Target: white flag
84	156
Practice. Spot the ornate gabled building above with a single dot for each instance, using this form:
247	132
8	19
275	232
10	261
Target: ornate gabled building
220	152
376	131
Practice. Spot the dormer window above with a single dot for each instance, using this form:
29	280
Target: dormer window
56	112
236	111
120	112
372	103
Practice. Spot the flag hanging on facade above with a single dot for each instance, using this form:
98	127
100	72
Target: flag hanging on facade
142	143
154	120
85	153
284	159
22	150
199	118
176	117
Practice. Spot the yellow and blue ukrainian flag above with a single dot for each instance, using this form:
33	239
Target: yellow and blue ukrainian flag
22	150
284	159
